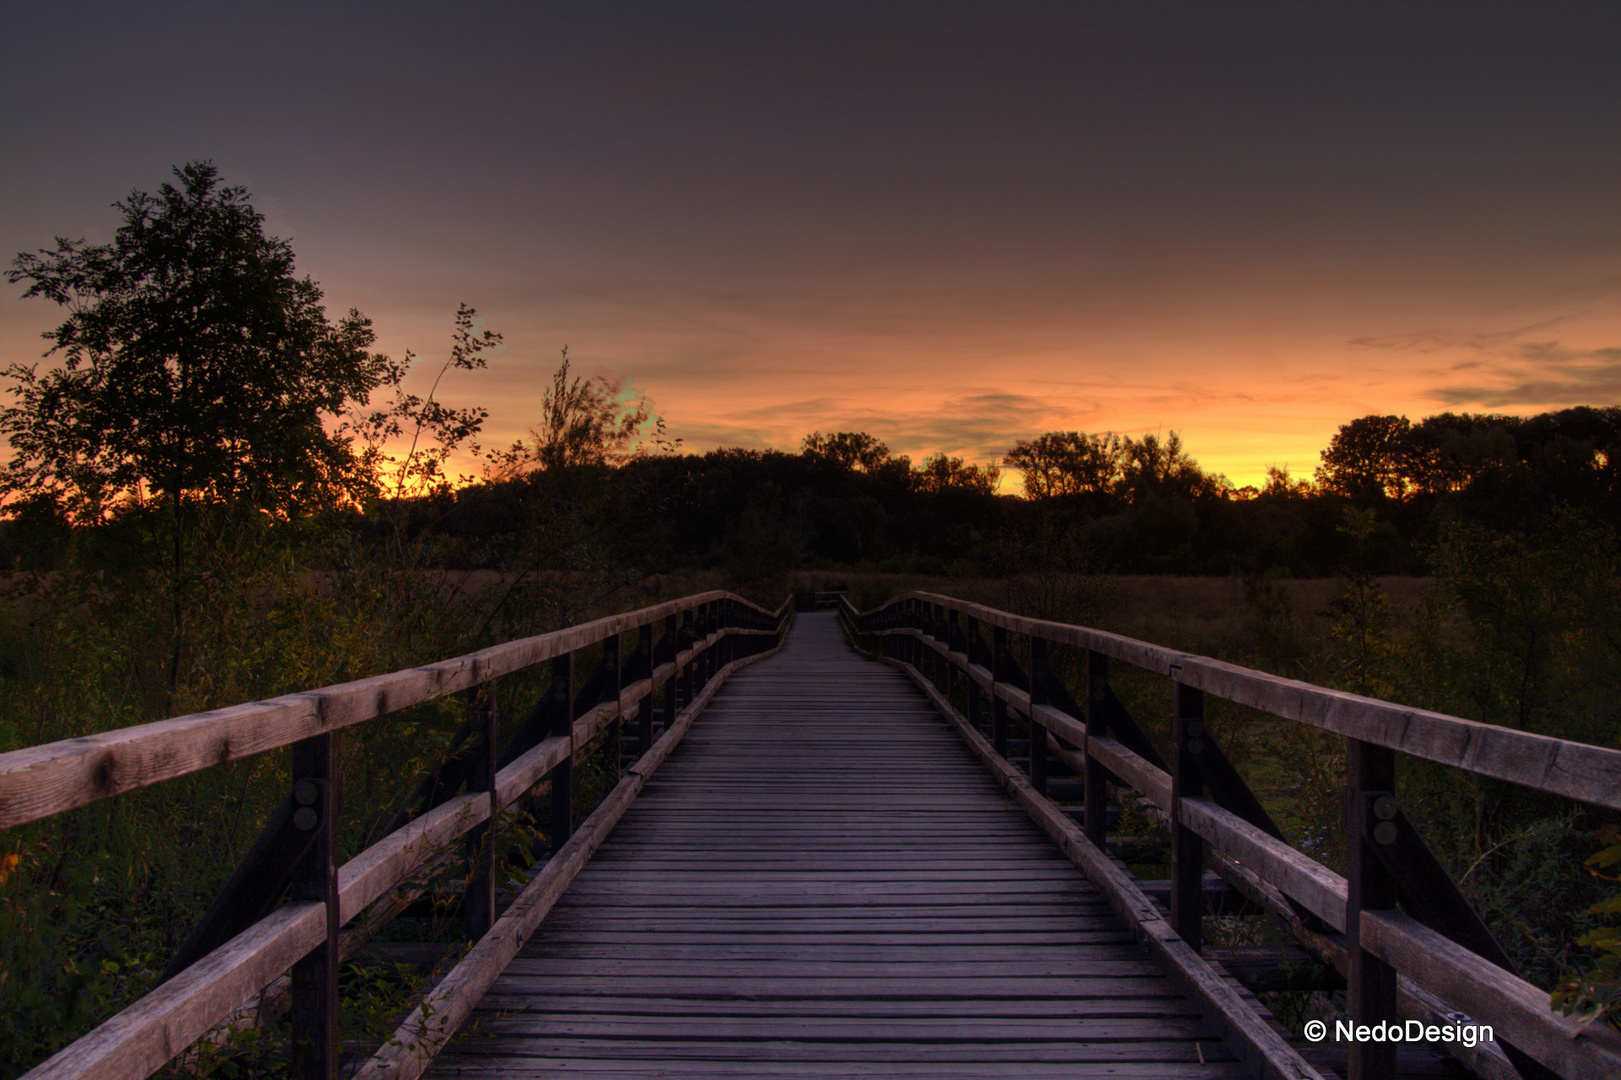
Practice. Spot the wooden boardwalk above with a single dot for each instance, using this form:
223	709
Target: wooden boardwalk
823	881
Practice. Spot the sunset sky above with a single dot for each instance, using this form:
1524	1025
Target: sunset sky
950	225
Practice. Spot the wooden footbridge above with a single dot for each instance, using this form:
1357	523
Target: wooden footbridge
841	849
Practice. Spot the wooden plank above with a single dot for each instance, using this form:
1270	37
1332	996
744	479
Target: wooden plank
1082	967
519	996
512	1068
1151	781
902	944
1578	770
1516	1010
663	922
1074	1052
1140	653
1588	773
39	781
816	867
144	1037
431	1023
839	988
1264	1048
1317	888
1483	1060
120	1046
848	1029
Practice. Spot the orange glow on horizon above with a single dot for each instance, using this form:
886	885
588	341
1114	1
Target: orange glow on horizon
1238	407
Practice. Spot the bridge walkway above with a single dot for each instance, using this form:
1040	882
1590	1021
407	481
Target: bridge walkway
823	881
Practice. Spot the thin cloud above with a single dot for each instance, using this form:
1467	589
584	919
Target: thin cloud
1546	374
1432	341
979	426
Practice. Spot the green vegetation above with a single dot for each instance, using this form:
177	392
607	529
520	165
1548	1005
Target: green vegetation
204	505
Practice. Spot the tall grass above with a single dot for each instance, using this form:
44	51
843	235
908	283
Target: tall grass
94	902
1517	629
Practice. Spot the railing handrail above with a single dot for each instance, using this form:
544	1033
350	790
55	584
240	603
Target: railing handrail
1445	956
305	933
40	781
1577	770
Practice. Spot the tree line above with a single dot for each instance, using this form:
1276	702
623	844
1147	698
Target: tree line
199	376
1098	502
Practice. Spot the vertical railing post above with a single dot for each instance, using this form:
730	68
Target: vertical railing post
685	691
315	977
479	904
1038	696
903	647
914	645
920	618
717	625
614	740
563	772
1370	789
717	622
700	633
998	704
937	631
1097	726
644	708
971	635
951	665
931	659
670	704
920	622
727	642
723	644
1187	847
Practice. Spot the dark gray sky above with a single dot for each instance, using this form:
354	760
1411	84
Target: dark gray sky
952	225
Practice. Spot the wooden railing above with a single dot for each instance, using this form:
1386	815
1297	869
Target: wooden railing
1397	927
249	938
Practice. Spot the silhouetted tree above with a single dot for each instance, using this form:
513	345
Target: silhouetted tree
583	422
1151	467
194	363
942	472
1369	458
852	450
1068	463
196	368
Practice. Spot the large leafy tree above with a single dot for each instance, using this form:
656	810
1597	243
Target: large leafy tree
196	369
852	451
1370	458
1069	463
194	365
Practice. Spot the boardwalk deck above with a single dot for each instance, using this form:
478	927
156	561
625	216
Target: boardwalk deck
822	881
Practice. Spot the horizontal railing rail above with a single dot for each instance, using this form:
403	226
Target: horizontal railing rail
249	939
1397	927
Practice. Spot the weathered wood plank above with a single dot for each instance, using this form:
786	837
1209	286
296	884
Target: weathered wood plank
142	1038
1262	1047
448	1004
1577	770
1517	1010
1317	888
514	1068
39	781
1075	1052
819	866
539	998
